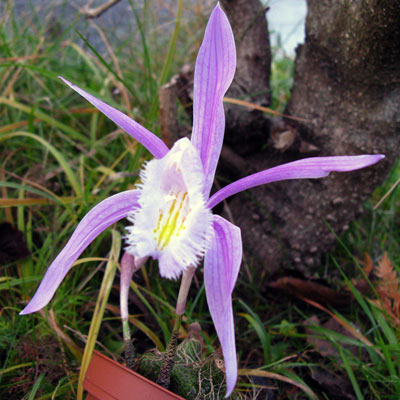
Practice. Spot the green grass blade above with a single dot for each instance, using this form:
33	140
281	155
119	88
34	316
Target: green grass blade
109	68
100	307
28	188
36	387
172	46
162	324
386	328
42	71
189	310
16	367
73	180
168	60
391	351
357	295
258	326
350	374
88	60
11	282
147	59
45	118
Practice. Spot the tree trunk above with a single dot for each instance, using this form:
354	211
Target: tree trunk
247	130
347	93
347	88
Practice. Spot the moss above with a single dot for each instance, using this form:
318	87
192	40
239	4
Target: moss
192	377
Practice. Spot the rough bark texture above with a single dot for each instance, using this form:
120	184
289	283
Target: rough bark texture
346	90
170	130
347	87
246	130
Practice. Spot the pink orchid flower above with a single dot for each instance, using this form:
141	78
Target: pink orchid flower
170	210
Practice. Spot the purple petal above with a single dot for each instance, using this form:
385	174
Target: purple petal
316	167
221	269
129	265
95	221
215	67
152	142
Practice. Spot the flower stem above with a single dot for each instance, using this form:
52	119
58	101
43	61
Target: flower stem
129	350
168	359
184	290
129	264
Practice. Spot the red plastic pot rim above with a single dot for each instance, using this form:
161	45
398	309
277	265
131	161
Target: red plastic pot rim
108	380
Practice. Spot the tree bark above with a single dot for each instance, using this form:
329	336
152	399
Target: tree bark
347	94
347	88
246	130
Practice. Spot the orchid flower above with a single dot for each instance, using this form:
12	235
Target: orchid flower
170	210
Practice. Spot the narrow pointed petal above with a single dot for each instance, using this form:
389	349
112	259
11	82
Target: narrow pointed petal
316	167
214	70
221	269
95	221
152	142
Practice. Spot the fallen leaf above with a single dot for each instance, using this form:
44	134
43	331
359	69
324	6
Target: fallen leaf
336	387
12	244
311	290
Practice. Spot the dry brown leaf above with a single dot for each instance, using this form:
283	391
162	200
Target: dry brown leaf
273	375
369	265
335	386
361	283
388	286
326	347
12	244
393	318
311	290
353	331
385	270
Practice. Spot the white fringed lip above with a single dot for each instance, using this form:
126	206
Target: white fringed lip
173	223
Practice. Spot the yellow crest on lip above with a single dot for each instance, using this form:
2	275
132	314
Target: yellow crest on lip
173	223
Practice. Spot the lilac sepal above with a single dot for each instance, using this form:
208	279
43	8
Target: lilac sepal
129	265
221	269
94	222
315	167
214	71
152	142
